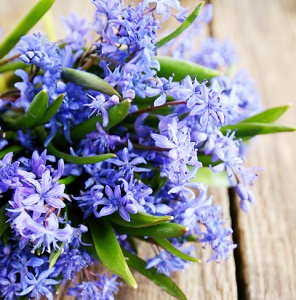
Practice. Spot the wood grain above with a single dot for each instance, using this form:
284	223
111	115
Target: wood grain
264	33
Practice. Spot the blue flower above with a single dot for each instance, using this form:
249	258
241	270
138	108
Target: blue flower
102	288
208	104
40	285
36	49
166	263
77	31
128	162
100	106
9	286
115	201
9	175
71	262
100	142
182	152
42	235
215	54
162	88
163	7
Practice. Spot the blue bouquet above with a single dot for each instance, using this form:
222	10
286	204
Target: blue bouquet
112	136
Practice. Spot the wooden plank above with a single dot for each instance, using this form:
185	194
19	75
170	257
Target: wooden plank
264	33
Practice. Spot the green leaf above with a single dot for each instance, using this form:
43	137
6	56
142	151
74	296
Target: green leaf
181	68
28	21
138	220
163	230
67	180
52	109
161	280
109	251
3	224
89	81
190	19
12	66
165	244
80	160
116	115
34	113
14	149
246	131
53	257
269	115
208	177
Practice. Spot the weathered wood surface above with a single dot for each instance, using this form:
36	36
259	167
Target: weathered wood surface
264	33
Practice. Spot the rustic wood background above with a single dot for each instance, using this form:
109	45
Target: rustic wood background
264	264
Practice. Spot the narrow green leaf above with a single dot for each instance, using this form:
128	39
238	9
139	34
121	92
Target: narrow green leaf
163	230
81	160
181	68
71	158
161	280
208	177
116	115
34	113
52	109
67	180
139	220
89	81
28	21
12	66
53	257
165	244
3	224
269	115
191	238
14	149
190	19
248	130
109	251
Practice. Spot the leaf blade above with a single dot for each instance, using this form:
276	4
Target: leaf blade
269	115
248	130
28	21
89	81
165	244
34	113
189	20
80	160
110	254
162	230
52	109
161	280
13	148
139	220
116	115
184	67
53	257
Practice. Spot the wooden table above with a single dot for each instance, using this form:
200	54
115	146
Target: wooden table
264	264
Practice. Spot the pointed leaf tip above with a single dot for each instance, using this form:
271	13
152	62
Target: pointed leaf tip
89	81
189	20
109	251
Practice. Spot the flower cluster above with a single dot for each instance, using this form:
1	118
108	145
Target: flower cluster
105	142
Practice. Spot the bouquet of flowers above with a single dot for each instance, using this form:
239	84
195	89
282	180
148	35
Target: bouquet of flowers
110	142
